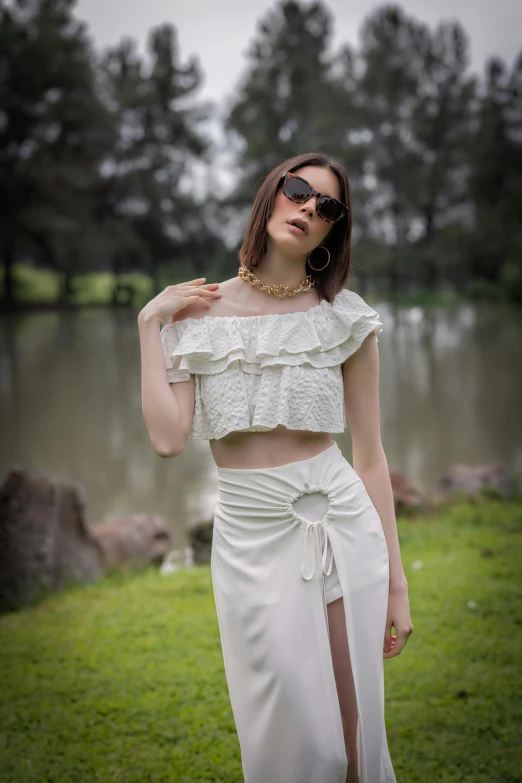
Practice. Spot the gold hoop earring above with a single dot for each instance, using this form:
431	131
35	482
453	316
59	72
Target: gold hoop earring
321	267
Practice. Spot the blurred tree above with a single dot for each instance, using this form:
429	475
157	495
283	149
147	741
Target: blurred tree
411	110
398	113
495	245
285	105
54	131
99	157
157	138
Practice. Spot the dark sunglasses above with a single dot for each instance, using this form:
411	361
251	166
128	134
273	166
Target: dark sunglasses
299	190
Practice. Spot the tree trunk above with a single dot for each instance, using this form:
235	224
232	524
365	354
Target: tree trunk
66	287
8	301
155	278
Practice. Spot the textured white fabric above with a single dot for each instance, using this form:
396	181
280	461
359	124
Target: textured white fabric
255	372
274	623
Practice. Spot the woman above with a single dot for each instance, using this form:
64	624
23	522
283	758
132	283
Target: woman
305	561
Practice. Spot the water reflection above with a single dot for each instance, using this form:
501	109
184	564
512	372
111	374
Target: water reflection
70	405
450	385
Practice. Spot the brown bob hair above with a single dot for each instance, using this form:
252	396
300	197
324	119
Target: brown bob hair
331	280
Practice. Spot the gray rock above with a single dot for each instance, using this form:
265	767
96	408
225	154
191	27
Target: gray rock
45	543
135	540
471	480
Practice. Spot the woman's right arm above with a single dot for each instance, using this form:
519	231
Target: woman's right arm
167	412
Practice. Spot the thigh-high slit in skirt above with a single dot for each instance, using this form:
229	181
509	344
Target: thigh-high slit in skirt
278	558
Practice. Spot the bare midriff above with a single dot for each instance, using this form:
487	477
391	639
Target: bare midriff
270	449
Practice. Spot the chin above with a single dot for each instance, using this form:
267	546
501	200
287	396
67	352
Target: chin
288	244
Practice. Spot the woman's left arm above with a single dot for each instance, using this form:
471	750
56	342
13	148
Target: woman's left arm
361	398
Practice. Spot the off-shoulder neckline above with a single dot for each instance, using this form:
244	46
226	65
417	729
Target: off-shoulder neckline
316	307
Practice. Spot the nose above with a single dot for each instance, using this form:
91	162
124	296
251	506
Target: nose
310	205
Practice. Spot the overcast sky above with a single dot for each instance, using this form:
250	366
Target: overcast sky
219	31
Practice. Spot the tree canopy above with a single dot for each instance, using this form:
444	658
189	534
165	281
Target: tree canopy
101	152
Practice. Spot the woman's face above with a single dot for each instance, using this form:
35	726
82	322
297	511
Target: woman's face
293	241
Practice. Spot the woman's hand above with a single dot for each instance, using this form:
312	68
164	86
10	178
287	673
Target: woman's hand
399	617
177	301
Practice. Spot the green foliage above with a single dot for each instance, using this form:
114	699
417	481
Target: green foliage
102	153
419	139
42	286
56	132
33	285
124	679
483	290
157	139
511	281
94	150
286	102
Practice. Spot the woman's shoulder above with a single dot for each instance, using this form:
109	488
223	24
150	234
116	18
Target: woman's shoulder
232	302
350	300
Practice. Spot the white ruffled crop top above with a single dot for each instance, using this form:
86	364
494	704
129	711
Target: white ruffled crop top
255	372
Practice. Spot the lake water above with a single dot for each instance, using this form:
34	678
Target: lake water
450	381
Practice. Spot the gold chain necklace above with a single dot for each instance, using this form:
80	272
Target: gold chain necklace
280	291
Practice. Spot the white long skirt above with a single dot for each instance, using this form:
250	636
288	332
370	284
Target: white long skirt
275	565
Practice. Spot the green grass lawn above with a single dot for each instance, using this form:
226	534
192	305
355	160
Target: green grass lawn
124	681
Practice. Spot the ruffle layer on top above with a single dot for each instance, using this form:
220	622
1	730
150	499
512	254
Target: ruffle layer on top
312	343
322	336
